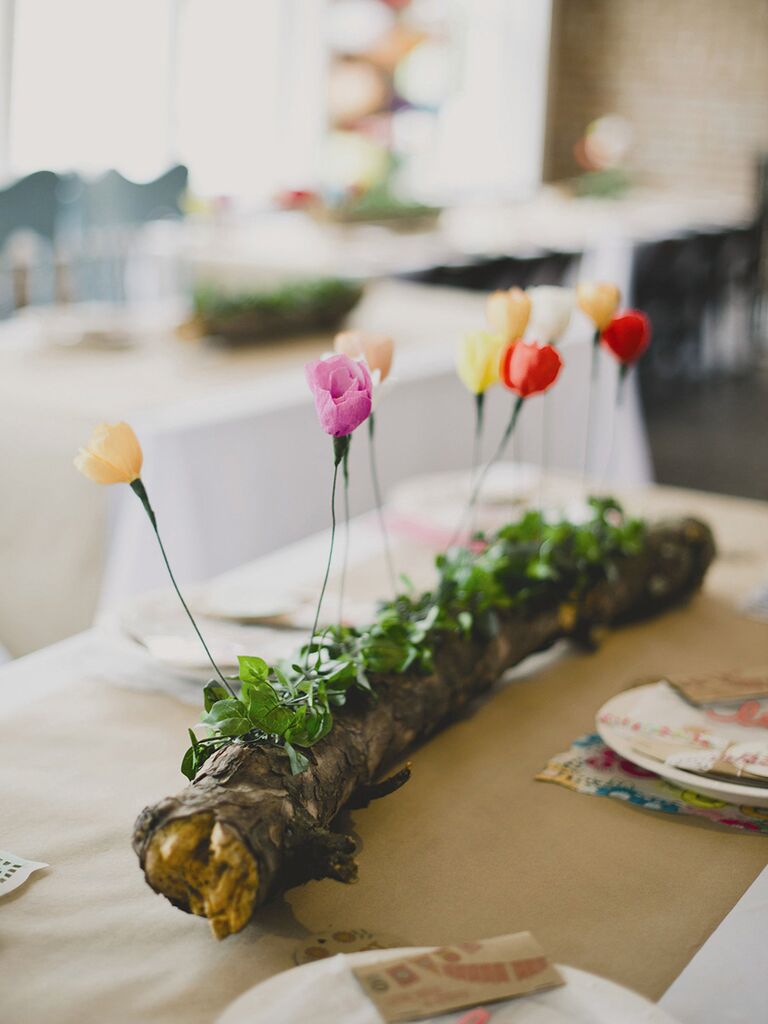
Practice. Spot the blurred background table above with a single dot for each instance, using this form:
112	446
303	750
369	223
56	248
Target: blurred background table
229	438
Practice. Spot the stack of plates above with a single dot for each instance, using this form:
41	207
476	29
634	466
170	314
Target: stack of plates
655	728
235	620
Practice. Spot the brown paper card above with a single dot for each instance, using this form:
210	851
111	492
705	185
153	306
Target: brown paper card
455	977
716	687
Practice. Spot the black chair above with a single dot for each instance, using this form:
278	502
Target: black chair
685	286
486	274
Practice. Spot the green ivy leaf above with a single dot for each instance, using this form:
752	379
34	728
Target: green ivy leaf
195	756
228	718
253	670
189	764
298	761
264	708
213	692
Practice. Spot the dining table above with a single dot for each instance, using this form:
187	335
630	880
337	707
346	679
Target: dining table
92	729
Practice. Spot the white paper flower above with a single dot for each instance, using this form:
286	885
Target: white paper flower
551	309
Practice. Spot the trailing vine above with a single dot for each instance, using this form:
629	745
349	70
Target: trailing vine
526	565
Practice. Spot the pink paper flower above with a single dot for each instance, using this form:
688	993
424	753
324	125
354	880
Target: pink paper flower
342	388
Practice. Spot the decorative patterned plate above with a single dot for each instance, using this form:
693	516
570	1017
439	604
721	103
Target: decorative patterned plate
640	710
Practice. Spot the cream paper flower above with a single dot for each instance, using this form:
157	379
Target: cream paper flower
112	456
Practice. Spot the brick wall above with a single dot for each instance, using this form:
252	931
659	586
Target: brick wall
691	76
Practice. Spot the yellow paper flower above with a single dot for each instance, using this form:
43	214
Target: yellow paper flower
112	455
376	349
477	360
508	313
599	300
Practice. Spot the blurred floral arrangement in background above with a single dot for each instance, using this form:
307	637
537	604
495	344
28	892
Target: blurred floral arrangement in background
389	73
294	307
602	152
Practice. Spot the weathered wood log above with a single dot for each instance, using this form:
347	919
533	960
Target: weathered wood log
247	829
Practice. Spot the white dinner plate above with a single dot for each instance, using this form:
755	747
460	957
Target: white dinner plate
659	703
244	603
438	499
159	624
327	992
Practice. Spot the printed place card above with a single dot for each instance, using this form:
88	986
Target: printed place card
455	977
720	687
15	870
344	940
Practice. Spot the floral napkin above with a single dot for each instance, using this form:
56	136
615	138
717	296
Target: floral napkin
592	767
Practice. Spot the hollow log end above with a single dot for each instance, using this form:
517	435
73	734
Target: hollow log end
203	867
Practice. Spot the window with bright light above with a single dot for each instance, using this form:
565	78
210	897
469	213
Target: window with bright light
247	102
232	88
90	86
241	92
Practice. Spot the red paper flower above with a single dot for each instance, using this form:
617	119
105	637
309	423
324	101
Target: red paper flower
627	336
528	368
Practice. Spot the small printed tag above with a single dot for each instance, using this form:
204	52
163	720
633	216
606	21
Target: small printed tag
719	687
344	940
14	871
456	977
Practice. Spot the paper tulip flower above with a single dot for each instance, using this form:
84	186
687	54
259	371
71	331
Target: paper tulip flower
477	360
627	336
477	364
528	368
112	456
376	349
342	390
551	309
599	300
508	313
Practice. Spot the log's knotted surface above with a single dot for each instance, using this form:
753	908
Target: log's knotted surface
247	829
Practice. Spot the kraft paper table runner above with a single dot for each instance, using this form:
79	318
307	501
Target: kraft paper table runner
471	847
